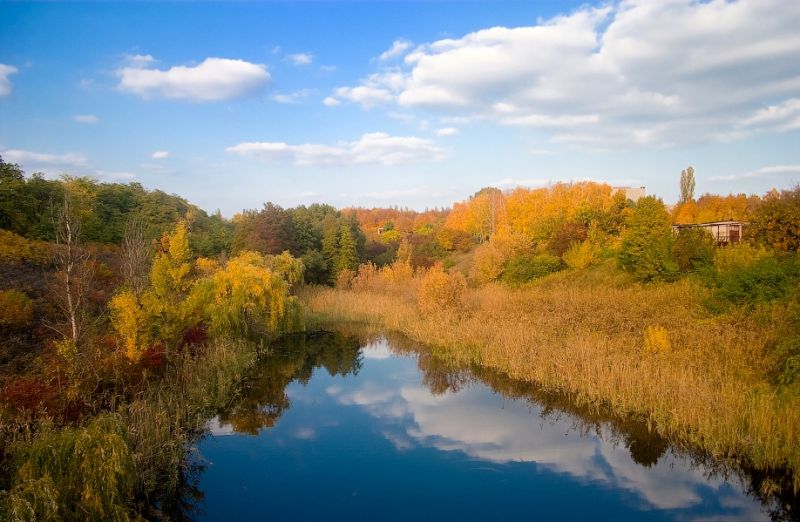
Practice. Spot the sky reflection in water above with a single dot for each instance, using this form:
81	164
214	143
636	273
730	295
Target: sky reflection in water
361	435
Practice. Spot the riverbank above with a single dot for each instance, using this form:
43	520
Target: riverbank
649	350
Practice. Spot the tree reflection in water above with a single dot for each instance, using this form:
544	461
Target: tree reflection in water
262	399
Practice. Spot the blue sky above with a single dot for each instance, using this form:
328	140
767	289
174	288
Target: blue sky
414	104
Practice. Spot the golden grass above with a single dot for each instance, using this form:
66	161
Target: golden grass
587	334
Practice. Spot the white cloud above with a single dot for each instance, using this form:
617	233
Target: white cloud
139	60
398	47
377	89
301	58
160	154
32	160
55	164
5	83
447	131
761	173
86	118
634	72
211	80
331	101
293	97
376	148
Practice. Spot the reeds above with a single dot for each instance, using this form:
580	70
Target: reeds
707	382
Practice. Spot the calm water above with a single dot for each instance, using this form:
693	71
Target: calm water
332	428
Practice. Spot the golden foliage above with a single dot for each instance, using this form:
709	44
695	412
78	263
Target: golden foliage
16	308
737	255
441	292
489	262
656	340
206	266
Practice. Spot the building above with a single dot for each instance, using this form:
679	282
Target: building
723	231
632	193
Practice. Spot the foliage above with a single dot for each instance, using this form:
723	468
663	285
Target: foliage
16	308
15	249
73	474
687	185
582	255
441	292
693	249
761	280
777	221
656	340
489	263
524	268
647	242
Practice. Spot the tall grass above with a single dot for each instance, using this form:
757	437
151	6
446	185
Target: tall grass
592	334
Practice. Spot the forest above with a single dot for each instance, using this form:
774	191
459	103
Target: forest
128	316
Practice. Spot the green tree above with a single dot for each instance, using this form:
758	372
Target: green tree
647	242
347	252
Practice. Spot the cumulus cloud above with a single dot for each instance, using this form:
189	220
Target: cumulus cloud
5	82
398	47
160	154
86	118
330	101
633	72
301	58
774	170
211	80
375	148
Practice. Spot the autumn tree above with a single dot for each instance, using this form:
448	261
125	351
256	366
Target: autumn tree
687	185
777	221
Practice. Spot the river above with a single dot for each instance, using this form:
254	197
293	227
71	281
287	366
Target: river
373	427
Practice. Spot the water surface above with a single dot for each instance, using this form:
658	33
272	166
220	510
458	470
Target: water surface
333	428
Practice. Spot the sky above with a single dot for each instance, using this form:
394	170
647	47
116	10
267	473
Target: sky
414	104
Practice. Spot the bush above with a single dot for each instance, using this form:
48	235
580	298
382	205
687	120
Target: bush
489	261
693	249
440	291
72	474
582	255
16	249
521	269
16	308
763	280
647	242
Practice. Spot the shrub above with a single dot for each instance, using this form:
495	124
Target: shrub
765	279
16	249
646	249
656	340
73	474
440	291
582	255
521	269
16	308
344	279
489	262
693	249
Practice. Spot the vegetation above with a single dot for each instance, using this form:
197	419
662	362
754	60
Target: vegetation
128	317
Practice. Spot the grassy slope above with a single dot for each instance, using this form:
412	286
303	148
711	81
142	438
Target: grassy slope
584	333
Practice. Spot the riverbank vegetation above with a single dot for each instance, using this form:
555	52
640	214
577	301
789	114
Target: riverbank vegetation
128	317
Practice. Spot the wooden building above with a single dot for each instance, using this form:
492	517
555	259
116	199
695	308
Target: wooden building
723	231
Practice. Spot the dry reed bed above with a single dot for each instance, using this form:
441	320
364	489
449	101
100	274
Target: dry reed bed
709	388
